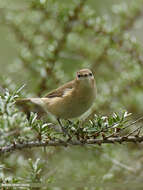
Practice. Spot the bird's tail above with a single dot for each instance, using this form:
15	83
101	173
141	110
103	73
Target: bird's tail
37	101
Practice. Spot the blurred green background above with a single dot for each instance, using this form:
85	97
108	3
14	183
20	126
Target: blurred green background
42	44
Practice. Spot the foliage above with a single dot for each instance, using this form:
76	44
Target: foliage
53	40
33	132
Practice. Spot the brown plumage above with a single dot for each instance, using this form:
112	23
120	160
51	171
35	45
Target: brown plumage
72	99
59	92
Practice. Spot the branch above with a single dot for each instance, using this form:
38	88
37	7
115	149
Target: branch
61	42
32	144
21	38
117	38
99	130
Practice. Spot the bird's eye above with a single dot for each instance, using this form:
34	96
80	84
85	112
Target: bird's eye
79	75
90	74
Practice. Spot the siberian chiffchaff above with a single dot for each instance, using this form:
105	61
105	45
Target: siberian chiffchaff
70	100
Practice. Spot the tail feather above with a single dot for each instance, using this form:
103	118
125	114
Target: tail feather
22	100
28	105
37	101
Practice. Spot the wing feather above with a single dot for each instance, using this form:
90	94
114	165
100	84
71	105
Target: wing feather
59	92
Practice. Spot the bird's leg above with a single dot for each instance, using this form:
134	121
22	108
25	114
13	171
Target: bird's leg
70	122
63	129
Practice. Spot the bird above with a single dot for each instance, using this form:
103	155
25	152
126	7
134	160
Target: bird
70	100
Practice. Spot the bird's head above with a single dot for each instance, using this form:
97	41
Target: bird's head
85	76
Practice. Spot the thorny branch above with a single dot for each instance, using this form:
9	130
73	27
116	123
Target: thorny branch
32	144
81	139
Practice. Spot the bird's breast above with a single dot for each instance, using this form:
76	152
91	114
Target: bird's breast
73	103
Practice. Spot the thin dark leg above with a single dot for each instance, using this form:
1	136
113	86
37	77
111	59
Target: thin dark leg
63	129
70	122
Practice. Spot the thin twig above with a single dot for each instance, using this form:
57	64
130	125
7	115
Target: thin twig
116	162
132	132
134	122
115	126
121	129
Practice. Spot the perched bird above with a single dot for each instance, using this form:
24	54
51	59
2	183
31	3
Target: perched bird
70	100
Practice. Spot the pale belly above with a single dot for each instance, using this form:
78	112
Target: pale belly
71	106
76	108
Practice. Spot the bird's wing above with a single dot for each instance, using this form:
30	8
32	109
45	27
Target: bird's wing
59	92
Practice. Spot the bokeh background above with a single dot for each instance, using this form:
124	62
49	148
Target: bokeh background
42	44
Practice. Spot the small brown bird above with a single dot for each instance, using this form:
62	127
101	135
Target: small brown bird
70	100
